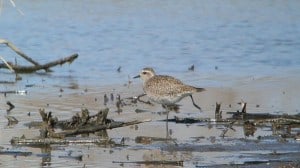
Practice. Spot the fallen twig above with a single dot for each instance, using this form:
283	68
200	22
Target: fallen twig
36	66
51	141
154	162
262	116
280	120
46	67
148	140
18	51
11	106
218	113
79	124
191	120
96	128
7	64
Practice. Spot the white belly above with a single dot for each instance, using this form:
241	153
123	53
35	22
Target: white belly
166	100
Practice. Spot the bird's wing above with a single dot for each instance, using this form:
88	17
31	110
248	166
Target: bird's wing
166	85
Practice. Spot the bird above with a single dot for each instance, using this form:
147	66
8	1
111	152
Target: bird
166	90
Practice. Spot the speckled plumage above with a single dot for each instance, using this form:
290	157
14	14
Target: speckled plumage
164	89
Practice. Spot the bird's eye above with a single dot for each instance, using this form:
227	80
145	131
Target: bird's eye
144	73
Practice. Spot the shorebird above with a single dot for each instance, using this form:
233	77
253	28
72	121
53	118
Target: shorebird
166	90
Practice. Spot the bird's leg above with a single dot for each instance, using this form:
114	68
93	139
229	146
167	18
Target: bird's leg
167	121
195	104
139	99
167	125
141	95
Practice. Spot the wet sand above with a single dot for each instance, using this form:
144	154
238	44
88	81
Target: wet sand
196	144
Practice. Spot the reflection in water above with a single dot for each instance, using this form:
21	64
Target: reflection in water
284	131
102	134
46	150
249	128
164	156
46	155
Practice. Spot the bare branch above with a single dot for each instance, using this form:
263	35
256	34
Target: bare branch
18	51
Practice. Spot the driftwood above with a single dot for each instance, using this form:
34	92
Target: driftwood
191	120
51	141
96	128
46	67
154	162
257	118
17	50
79	124
36	66
11	106
83	124
148	140
218	112
281	124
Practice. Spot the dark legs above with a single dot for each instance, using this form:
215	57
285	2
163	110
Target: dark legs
167	125
139	96
168	137
195	104
168	109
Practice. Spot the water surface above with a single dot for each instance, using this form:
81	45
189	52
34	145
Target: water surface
239	38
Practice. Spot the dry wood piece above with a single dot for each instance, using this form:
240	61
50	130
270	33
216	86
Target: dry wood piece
148	140
46	67
154	162
218	113
96	128
11	106
264	116
191	120
83	123
80	124
36	66
51	141
284	123
17	50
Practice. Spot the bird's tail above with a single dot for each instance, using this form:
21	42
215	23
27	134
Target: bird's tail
200	89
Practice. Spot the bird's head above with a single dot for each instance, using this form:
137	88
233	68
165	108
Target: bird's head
146	74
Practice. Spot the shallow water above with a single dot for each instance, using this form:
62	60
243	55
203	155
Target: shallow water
242	50
241	39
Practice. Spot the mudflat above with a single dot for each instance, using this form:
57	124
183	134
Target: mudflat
203	143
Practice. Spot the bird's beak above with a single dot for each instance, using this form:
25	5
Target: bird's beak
138	76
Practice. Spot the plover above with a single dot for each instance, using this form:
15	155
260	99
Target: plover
166	90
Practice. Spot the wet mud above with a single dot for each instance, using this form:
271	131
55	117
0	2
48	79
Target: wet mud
230	134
